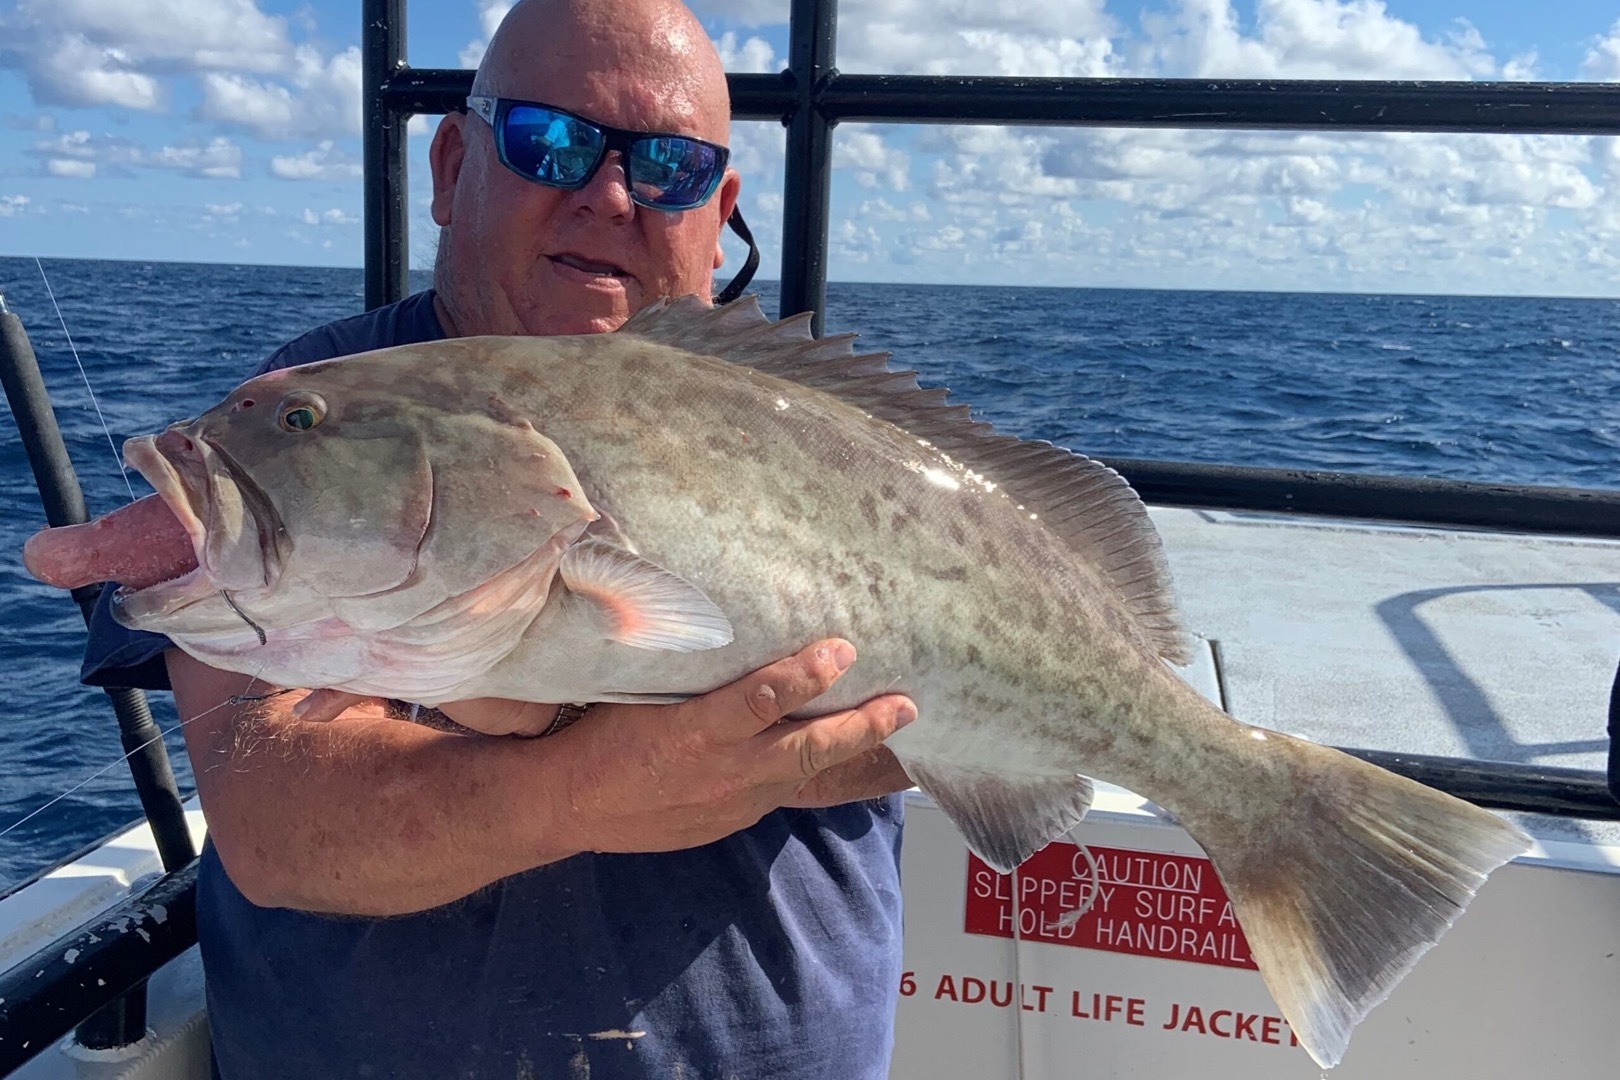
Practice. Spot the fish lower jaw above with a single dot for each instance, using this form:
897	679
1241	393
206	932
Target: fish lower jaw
181	580
142	455
152	606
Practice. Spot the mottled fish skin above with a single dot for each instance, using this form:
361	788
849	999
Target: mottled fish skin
802	517
1015	592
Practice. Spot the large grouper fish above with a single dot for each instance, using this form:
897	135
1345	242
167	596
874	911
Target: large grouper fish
649	514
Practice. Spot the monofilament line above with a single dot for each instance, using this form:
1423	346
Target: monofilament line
123	472
15	825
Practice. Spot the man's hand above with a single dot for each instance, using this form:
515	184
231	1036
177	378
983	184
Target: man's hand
867	774
664	777
366	815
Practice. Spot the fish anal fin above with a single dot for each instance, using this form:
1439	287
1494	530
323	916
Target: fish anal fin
639	603
1005	817
1087	504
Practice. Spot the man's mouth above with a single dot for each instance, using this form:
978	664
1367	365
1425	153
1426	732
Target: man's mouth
589	266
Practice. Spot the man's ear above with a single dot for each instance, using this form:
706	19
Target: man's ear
730	188
445	155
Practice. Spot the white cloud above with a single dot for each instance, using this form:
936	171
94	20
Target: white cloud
490	14
754	55
324	98
1522	68
218	159
78	153
95	52
75	72
880	209
861	148
129	53
12	205
1602	62
977	37
325	162
1308	39
225	212
328	217
70	169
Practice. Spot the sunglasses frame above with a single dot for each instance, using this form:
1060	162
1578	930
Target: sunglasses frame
494	111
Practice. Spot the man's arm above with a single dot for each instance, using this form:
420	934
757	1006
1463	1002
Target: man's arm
374	816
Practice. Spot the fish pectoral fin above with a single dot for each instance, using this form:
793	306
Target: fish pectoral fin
639	603
1005	817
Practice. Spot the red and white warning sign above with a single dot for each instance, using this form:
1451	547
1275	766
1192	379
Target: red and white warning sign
1147	903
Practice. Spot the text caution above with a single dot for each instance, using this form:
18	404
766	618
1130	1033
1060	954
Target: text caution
1142	902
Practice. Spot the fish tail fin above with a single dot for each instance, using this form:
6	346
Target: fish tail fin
1346	880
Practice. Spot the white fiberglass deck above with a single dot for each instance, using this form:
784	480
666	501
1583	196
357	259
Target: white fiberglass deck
1457	643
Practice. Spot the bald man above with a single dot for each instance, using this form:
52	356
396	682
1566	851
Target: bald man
382	898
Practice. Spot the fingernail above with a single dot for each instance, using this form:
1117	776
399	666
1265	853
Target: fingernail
904	715
843	655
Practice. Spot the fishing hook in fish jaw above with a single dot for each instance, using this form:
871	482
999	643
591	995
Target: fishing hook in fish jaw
262	639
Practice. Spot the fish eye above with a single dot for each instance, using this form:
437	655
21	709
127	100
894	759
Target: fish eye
300	412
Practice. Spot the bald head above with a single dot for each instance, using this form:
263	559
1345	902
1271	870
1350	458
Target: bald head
517	256
583	43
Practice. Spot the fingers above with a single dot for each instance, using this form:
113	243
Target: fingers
500	716
865	776
754	702
320	706
806	748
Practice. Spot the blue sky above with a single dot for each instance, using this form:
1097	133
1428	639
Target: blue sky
227	131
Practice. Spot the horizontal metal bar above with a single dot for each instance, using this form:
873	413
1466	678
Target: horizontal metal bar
1411	500
426	90
1283	104
1341	105
1501	785
43	997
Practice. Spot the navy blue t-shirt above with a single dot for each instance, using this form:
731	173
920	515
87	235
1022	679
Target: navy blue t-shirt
773	954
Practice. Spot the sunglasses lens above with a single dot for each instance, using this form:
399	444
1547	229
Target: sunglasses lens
673	173
550	147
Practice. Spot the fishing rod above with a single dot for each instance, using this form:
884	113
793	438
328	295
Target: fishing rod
63	501
123	1020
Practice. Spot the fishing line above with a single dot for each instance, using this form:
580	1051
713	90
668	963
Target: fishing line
123	472
235	699
1018	973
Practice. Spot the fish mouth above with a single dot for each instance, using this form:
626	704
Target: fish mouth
181	467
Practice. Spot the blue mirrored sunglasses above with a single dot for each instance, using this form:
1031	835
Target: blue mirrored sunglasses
554	147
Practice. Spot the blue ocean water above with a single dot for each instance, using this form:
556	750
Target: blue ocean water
1478	388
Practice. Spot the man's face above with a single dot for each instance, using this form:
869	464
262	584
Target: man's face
522	258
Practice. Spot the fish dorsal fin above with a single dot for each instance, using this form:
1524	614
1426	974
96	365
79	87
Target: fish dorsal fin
1084	501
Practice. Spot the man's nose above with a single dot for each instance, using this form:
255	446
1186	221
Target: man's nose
608	191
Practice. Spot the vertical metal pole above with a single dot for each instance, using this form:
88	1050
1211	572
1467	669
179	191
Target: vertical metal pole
382	56
807	192
123	1021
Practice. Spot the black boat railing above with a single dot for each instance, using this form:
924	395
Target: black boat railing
810	98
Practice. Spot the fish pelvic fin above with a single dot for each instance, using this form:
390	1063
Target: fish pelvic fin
1005	818
641	604
1348	882
1087	504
